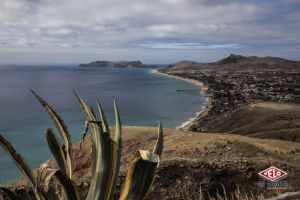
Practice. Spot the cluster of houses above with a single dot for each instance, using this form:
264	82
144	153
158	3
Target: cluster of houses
229	89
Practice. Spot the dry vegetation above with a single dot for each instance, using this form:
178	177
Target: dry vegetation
262	120
199	160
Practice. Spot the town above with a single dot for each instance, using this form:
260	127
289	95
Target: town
230	89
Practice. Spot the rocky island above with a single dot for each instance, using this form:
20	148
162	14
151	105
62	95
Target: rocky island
117	64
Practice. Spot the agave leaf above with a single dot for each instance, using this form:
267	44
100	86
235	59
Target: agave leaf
105	171
22	165
95	128
68	185
48	179
9	193
89	115
59	123
118	133
56	150
105	126
104	158
158	149
140	176
118	141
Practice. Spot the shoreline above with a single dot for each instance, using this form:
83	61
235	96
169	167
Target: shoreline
198	115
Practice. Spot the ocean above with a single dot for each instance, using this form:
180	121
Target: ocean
143	97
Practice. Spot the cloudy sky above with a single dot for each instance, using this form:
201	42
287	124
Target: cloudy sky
154	31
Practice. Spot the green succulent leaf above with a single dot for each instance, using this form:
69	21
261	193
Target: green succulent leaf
22	165
118	131
69	188
158	149
142	170
104	156
59	123
140	176
118	142
90	116
105	126
56	150
95	128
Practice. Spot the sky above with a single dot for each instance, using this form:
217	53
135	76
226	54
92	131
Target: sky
153	31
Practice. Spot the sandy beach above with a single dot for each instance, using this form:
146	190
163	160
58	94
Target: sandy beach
202	113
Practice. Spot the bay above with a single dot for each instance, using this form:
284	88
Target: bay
144	98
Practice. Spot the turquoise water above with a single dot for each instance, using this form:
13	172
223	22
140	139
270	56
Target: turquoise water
143	97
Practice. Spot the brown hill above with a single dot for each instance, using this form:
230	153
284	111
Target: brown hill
239	63
191	161
262	120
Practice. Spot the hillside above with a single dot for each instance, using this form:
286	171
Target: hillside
191	161
238	63
117	64
263	120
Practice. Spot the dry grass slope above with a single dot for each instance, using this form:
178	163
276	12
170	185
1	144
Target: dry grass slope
262	120
199	160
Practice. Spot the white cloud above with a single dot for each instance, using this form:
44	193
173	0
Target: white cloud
106	25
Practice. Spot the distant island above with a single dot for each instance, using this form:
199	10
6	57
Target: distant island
118	64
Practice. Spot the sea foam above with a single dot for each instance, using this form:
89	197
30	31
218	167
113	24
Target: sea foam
190	120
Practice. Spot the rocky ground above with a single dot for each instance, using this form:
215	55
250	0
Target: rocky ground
195	164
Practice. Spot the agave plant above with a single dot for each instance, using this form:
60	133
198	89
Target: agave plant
106	155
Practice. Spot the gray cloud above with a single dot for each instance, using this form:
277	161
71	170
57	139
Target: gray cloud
138	29
188	46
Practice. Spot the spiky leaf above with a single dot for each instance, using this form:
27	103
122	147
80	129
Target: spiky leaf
69	188
104	158
22	165
118	131
105	126
160	143
140	176
56	150
89	115
142	170
59	123
118	141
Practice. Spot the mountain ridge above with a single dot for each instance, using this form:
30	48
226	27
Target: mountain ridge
235	62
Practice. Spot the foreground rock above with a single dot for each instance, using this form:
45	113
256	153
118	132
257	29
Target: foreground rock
194	161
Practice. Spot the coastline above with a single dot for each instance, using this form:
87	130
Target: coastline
198	115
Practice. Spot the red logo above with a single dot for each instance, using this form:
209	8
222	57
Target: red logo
272	174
